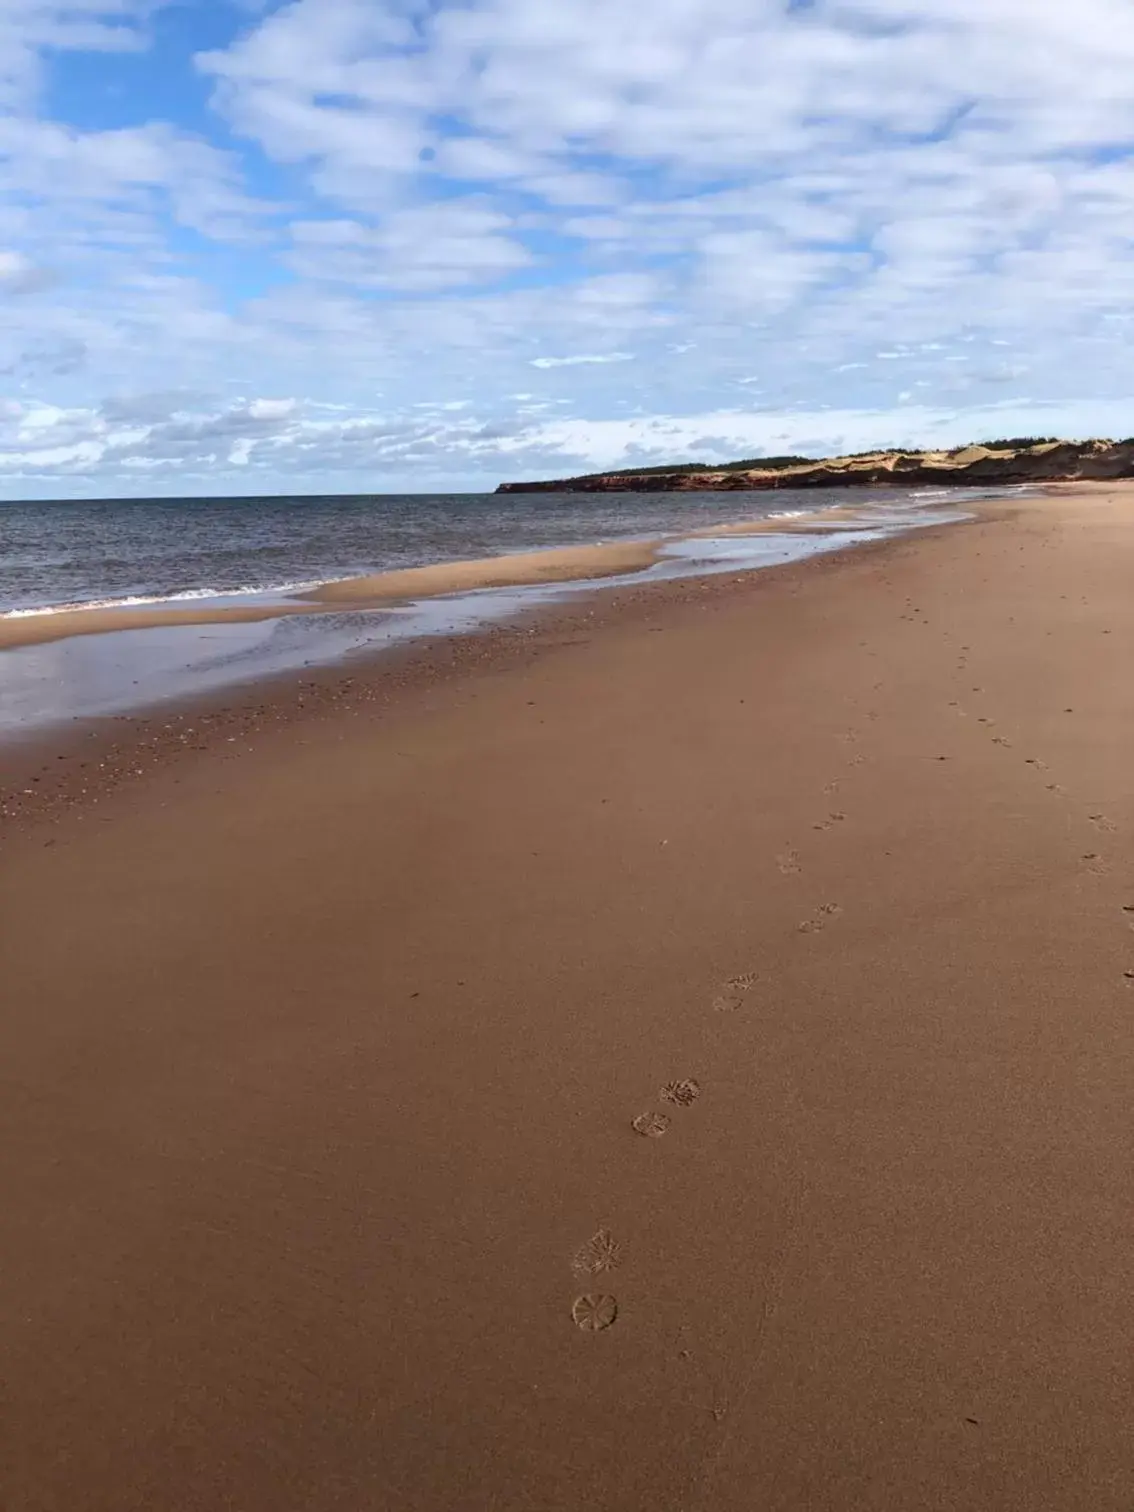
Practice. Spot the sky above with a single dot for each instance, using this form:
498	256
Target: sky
388	245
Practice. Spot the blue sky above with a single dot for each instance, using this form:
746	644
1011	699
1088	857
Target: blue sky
431	244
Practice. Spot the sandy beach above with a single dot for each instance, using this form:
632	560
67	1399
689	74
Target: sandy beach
672	1053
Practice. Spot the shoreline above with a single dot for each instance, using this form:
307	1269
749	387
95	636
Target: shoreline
373	591
104	661
401	586
103	753
330	1035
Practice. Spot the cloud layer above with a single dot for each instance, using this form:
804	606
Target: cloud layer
334	244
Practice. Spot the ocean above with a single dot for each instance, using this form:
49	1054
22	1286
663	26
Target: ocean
133	551
63	556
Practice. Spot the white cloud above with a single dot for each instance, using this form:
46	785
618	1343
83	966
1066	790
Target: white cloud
858	201
271	409
117	176
29	27
424	247
238	447
19	275
556	362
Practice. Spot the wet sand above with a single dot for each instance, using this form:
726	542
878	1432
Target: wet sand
378	590
57	625
323	1044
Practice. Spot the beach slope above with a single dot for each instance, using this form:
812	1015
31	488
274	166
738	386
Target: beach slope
679	1061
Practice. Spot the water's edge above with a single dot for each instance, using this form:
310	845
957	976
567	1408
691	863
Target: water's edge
127	670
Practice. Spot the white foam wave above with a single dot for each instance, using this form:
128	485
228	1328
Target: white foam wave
138	601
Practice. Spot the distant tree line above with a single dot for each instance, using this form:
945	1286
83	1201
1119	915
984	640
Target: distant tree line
770	463
775	464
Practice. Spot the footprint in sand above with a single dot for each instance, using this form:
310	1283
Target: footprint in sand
650	1125
818	919
1000	741
1054	787
831	820
593	1312
1095	863
833	786
602	1252
1040	766
683	1094
788	862
1101	822
1128	913
732	995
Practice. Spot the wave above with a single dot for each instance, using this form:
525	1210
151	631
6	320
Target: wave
140	600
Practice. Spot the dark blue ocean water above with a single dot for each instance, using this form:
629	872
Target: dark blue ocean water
126	550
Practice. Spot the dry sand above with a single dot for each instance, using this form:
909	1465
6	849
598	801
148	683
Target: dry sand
320	1062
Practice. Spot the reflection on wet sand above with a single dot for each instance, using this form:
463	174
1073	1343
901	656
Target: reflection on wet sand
83	662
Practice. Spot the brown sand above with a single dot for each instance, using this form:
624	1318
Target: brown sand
561	565
320	1064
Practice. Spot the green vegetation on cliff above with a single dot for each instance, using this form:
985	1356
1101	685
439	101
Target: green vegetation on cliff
1015	459
764	463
